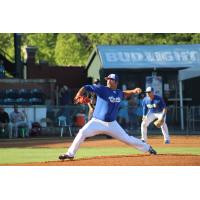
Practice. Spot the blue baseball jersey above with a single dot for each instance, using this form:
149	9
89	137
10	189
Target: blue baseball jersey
108	102
155	105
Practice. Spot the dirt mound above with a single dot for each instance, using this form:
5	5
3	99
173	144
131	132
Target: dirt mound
131	160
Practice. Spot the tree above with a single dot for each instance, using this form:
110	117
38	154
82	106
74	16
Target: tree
7	44
75	48
45	42
70	51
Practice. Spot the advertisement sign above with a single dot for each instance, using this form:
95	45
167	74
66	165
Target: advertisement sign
156	83
149	56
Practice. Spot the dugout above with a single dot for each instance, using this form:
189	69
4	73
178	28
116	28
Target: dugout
141	65
173	70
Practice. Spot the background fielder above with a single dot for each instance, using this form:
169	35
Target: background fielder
154	107
104	117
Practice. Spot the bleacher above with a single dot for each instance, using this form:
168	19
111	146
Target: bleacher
22	96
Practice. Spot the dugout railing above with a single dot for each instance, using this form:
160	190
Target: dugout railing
191	119
50	125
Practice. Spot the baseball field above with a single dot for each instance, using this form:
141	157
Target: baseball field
100	151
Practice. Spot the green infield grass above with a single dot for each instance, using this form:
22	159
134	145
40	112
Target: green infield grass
28	155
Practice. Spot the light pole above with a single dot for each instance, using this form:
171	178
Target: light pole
18	62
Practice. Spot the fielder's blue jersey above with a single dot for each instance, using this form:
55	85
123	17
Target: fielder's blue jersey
108	102
155	105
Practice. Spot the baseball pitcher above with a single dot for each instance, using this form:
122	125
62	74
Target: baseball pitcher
104	117
154	107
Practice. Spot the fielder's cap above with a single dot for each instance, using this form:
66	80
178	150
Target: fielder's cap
112	76
149	89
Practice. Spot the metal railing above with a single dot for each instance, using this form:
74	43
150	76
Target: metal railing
47	116
193	118
173	119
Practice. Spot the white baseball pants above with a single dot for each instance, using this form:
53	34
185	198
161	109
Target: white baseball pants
149	118
96	127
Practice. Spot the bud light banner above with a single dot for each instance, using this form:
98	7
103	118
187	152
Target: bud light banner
149	56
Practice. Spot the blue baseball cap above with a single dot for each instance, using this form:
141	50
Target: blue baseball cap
149	89
112	76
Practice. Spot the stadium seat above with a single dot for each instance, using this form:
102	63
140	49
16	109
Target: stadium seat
11	93
1	101
2	93
35	101
9	101
36	93
62	122
22	101
24	93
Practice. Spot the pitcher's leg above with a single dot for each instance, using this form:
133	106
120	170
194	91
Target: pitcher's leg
117	132
92	128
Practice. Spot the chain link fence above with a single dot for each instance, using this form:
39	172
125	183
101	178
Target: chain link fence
130	119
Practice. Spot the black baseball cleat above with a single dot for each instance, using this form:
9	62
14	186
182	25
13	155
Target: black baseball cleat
152	151
65	157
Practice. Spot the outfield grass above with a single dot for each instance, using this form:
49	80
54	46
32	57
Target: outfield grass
28	155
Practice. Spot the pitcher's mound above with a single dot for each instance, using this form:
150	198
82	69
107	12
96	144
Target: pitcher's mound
130	160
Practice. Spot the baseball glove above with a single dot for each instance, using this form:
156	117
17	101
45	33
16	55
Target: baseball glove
159	122
82	100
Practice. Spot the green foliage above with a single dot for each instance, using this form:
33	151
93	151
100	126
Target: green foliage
7	43
70	50
45	42
74	48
